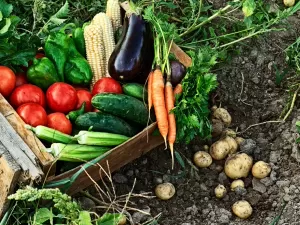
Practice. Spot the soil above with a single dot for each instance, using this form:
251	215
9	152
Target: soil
247	89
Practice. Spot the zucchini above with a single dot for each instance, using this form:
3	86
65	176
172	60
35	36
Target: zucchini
104	122
123	106
135	90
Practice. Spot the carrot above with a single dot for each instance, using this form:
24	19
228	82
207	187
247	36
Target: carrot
169	96
177	90
158	98
150	81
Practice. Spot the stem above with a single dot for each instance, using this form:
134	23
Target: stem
244	38
206	21
292	104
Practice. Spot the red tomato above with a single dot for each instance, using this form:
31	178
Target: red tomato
21	78
7	81
59	121
107	84
84	96
61	97
33	114
27	93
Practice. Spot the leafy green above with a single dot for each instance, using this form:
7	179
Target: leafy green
109	219
192	105
248	7
42	215
15	48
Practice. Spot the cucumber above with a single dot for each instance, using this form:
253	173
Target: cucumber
104	122
135	90
123	106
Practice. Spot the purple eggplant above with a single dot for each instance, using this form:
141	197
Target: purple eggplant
178	72
133	55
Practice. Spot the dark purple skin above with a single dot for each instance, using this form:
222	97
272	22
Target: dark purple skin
178	71
133	55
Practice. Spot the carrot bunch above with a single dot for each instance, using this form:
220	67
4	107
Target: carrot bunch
161	97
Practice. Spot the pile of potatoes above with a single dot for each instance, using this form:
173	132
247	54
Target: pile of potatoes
237	165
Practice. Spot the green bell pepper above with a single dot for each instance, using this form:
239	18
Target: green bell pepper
57	50
77	69
42	73
72	116
78	38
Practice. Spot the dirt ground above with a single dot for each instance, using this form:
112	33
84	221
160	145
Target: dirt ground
248	90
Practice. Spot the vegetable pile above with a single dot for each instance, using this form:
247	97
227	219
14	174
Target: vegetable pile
88	89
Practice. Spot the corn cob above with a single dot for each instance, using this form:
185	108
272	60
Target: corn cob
76	152
101	19
51	135
113	11
95	53
100	138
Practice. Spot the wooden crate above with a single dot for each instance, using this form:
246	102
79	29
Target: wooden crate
12	171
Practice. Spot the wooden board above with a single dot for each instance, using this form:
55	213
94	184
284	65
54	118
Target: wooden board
22	154
36	146
9	175
119	157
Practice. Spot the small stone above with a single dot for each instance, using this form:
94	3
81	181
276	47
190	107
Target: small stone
253	197
86	203
224	219
240	191
158	180
287	198
286	190
267	181
137	217
274	156
186	224
193	210
248	146
129	173
258	186
222	177
295	152
206	199
203	187
145	161
120	178
283	183
205	211
166	178
273	175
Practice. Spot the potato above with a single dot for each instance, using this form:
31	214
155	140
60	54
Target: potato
229	132
122	221
237	183
217	127
223	115
239	140
289	3
165	191
242	209
202	159
261	169
232	144
219	150
220	191
238	166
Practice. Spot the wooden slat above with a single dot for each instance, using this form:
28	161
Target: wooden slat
28	137
120	156
180	55
9	175
21	153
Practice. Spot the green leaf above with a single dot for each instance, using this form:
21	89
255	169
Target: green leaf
248	7
109	219
5	8
1	16
43	215
85	218
18	58
179	159
57	21
63	11
6	27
